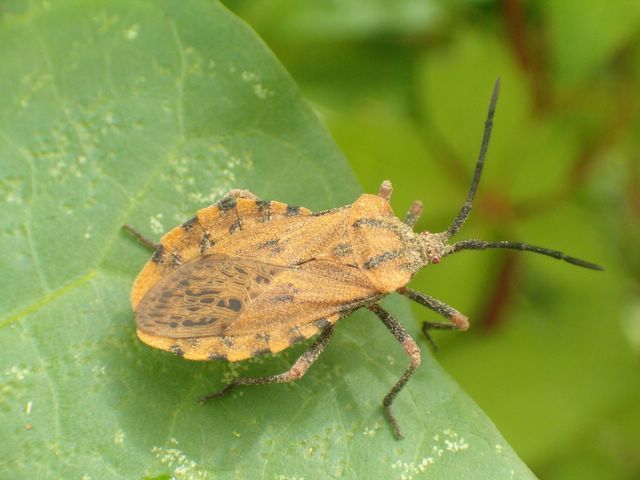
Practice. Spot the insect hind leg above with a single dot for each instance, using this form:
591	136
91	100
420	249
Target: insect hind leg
413	351
297	370
141	238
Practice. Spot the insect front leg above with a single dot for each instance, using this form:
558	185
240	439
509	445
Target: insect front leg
297	370
415	210
141	238
385	190
411	347
458	321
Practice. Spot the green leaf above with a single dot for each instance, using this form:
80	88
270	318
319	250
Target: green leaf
142	112
584	39
324	20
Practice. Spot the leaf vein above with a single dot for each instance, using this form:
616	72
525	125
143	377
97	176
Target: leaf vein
50	383
46	299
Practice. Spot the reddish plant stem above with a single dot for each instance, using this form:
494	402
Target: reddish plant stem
504	286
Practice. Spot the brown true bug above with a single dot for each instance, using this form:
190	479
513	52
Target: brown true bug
245	277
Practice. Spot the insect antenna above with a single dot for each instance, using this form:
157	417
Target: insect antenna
482	245
466	208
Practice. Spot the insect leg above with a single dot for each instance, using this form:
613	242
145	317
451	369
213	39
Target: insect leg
297	370
141	238
412	349
458	321
240	193
415	210
385	190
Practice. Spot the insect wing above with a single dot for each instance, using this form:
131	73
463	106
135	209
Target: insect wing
203	297
218	295
305	299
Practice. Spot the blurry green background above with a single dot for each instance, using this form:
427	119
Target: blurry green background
403	86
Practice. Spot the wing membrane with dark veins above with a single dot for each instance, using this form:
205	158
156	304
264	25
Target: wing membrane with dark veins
203	297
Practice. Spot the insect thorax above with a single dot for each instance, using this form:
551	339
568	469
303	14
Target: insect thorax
389	253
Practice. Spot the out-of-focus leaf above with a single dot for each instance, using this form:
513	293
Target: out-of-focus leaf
561	355
583	39
327	20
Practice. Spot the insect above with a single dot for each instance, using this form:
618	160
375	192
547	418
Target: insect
246	277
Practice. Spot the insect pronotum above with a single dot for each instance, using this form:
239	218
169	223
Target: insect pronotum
246	277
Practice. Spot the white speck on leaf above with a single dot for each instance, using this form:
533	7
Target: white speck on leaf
118	438
156	224
452	443
248	76
409	469
12	189
56	170
17	373
131	33
260	91
370	432
183	467
456	446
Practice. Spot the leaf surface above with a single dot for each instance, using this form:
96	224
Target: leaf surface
142	112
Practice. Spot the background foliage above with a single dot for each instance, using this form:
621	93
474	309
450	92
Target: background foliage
144	111
552	356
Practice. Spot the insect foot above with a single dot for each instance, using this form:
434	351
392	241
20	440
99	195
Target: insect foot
205	398
245	277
